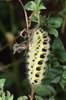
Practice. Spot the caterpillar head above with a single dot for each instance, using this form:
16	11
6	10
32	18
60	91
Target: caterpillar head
38	53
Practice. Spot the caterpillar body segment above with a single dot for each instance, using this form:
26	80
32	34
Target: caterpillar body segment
38	53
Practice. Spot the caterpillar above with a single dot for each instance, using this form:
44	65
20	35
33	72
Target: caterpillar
37	56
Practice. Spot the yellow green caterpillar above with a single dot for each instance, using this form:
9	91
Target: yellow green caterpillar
38	52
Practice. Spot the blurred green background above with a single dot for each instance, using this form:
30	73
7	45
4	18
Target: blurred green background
12	21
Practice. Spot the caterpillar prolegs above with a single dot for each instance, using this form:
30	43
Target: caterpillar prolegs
38	53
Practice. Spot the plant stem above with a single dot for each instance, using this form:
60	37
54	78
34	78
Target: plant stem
32	92
26	17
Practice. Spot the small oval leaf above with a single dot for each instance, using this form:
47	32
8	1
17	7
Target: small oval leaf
38	98
54	22
64	74
53	32
31	5
56	79
43	90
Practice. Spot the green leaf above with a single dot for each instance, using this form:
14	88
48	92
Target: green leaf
35	19
54	22
43	90
56	79
9	96
37	2
53	32
62	83
38	98
3	96
23	98
64	67
34	6
2	82
42	20
62	12
20	98
40	7
0	98
64	74
53	60
9	81
57	44
51	98
61	56
51	89
59	50
31	5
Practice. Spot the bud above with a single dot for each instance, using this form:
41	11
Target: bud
10	38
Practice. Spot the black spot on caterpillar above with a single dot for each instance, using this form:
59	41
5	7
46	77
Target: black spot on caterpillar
40	62
38	68
42	56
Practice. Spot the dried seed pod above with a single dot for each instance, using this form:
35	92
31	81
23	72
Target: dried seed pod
38	53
